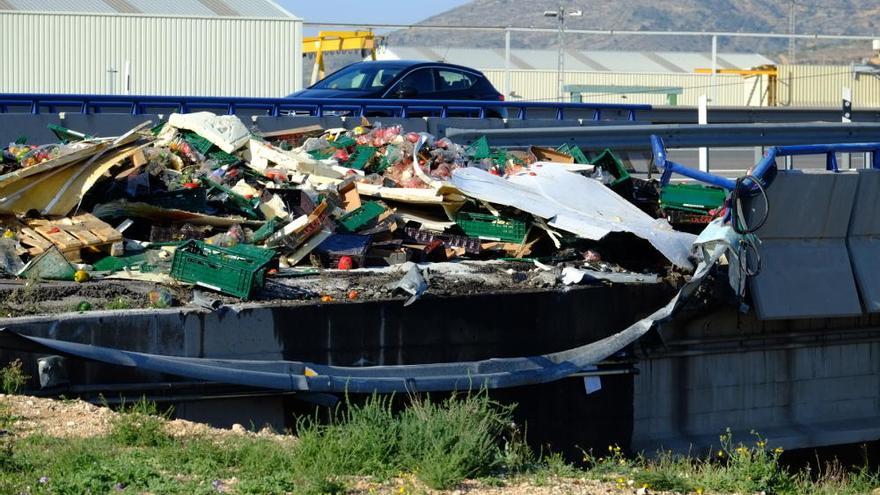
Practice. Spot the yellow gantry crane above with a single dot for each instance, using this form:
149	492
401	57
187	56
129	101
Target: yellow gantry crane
765	70
338	41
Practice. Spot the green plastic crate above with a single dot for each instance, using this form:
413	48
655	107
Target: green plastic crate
156	129
248	207
479	149
355	220
608	161
342	142
198	143
322	154
574	152
223	158
361	156
381	165
236	271
694	198
491	227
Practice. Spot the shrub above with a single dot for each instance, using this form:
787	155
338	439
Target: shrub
441	443
140	425
12	377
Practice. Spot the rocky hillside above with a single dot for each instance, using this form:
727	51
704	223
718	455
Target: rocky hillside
812	16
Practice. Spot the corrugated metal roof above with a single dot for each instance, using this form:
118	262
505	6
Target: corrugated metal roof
61	6
171	7
196	8
579	60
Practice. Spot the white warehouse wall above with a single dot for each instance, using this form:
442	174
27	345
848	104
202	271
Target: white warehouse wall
538	85
192	56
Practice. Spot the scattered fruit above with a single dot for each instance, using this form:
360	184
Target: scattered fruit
345	263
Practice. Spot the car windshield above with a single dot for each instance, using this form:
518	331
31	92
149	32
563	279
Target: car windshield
360	77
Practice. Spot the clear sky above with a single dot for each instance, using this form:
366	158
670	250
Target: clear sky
368	11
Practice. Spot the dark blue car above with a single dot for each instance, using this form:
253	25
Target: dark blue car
403	79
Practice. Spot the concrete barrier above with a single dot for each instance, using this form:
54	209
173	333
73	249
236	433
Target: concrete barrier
805	269
863	239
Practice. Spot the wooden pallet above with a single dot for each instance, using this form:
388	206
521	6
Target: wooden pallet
71	236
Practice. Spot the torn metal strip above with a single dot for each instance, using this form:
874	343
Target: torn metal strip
302	376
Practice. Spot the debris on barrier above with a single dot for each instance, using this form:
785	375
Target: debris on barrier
201	200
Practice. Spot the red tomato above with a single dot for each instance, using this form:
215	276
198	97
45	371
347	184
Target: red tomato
346	263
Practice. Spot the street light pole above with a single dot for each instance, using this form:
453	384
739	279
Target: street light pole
560	15
560	56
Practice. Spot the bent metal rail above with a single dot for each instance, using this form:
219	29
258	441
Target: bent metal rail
275	107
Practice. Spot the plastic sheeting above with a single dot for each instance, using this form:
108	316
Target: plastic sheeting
303	376
575	204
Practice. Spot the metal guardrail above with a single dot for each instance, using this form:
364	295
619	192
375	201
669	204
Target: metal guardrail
136	105
830	151
751	115
638	137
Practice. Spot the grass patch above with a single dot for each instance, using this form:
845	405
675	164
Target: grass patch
440	443
437	443
736	467
120	303
140	425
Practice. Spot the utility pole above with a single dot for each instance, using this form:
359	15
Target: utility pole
560	56
560	46
791	25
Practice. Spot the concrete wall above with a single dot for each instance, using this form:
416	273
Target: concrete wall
434	329
802	383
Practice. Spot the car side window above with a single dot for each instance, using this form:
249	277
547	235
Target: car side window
453	80
421	80
383	77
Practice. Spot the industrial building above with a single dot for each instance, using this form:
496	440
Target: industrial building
150	47
660	78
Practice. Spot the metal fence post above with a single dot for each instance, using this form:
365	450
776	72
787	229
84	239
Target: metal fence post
703	119
507	62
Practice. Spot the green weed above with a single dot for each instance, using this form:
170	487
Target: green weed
120	303
441	443
12	377
140	425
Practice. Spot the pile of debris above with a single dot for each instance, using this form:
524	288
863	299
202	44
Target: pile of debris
201	199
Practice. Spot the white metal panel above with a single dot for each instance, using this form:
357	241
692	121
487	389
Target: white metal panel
822	86
575	60
541	86
168	55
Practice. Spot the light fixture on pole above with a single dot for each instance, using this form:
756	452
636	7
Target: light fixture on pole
560	15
